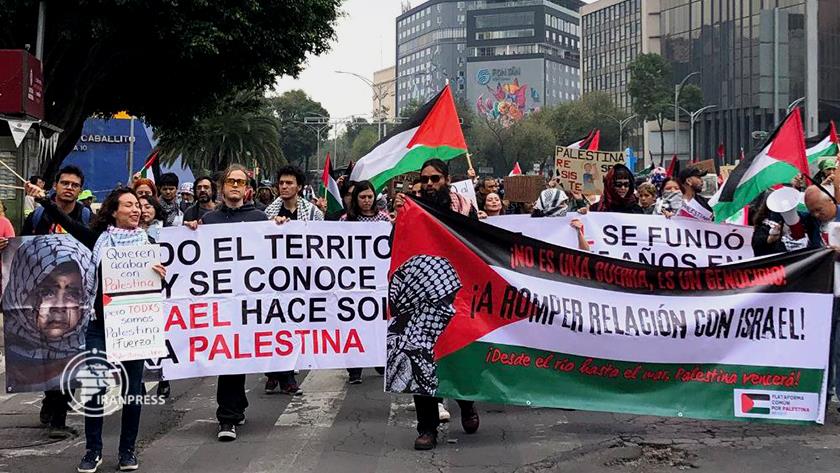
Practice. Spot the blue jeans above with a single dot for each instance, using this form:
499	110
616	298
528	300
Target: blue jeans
130	411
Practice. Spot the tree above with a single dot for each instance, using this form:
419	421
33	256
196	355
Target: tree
571	121
297	140
169	61
363	142
410	108
242	132
651	90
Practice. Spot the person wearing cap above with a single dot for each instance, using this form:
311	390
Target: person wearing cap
265	195
187	196
691	181
826	166
86	198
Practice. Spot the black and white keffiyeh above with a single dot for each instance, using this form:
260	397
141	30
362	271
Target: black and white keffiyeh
552	203
420	296
34	261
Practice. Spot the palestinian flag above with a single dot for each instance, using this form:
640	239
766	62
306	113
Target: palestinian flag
591	142
517	171
781	159
742	217
821	147
433	132
478	312
755	403
146	172
332	194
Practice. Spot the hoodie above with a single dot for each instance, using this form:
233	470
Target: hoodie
225	214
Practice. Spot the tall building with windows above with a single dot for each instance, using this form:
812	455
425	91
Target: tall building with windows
503	58
614	33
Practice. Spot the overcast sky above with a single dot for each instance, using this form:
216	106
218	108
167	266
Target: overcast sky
365	43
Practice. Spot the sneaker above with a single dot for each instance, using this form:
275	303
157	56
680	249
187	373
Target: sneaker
427	441
355	379
128	461
271	386
62	433
90	462
227	433
164	389
46	415
292	389
469	420
443	414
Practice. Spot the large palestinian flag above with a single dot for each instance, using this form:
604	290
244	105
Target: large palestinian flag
478	312
433	132
781	159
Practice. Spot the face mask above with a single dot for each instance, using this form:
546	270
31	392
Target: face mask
673	198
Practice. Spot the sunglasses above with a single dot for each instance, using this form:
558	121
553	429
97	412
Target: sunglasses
435	179
620	184
235	182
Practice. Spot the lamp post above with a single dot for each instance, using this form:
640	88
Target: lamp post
318	124
621	125
692	119
379	91
677	90
795	103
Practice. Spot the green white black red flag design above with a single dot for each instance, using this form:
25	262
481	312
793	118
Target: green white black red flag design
482	313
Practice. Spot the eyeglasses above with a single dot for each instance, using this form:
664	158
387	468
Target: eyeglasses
236	182
70	184
620	184
435	179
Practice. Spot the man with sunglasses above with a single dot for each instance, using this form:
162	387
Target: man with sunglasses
230	389
67	187
434	177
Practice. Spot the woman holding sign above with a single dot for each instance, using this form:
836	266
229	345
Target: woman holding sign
116	224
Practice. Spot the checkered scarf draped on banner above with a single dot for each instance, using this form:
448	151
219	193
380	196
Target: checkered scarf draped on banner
418	318
33	262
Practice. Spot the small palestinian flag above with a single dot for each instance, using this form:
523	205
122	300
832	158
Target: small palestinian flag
146	172
433	132
517	171
824	146
754	403
332	194
781	159
591	142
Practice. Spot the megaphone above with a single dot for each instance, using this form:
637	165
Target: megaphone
784	202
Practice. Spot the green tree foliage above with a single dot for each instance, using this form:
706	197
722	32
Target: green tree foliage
571	121
297	140
242	131
363	142
170	61
652	91
691	98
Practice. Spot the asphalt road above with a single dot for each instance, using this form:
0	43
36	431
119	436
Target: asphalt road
335	427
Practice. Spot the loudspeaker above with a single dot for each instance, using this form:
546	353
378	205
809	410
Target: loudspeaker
784	201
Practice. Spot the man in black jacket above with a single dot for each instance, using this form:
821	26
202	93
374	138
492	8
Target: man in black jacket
205	199
68	185
230	390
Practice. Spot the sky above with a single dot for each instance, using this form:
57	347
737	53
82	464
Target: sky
365	42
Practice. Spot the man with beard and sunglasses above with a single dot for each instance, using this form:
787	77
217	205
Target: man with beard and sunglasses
67	186
205	199
434	177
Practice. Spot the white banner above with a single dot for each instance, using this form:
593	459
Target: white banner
261	297
648	239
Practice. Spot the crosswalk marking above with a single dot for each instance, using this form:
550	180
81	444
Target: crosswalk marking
324	391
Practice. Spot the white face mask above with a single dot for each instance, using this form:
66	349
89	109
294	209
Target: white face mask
673	198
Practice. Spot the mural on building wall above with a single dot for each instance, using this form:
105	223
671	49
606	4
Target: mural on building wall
505	94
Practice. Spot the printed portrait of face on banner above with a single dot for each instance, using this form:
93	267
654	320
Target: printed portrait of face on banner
420	296
46	308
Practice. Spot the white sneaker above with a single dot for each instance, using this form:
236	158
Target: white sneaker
443	414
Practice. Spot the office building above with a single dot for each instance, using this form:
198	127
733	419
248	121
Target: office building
504	59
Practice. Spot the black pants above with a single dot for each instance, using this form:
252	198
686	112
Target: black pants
231	398
130	411
428	418
283	377
354	372
56	406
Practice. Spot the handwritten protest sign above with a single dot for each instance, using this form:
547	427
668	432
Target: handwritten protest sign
304	295
581	170
132	303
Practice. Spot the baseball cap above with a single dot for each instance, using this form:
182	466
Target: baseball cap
689	172
827	163
186	188
86	194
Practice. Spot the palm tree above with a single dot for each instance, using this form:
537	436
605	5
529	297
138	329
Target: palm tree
242	133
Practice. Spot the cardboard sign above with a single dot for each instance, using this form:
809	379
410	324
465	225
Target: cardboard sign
523	188
580	170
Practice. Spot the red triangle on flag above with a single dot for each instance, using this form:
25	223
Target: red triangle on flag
834	133
595	142
517	171
788	143
746	403
441	127
325	177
